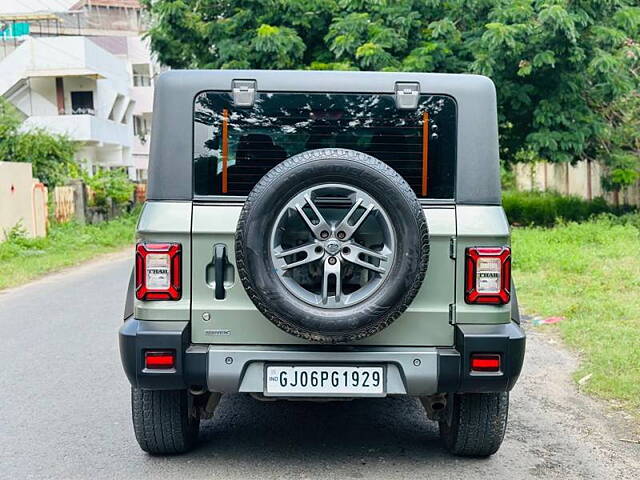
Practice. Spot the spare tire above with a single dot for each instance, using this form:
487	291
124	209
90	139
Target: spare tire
332	245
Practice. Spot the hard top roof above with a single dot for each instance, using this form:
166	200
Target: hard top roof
170	165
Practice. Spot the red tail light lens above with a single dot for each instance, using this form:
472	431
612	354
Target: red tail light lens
158	271
159	360
488	275
485	362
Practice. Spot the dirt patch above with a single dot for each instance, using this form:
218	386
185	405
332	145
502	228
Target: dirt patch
572	435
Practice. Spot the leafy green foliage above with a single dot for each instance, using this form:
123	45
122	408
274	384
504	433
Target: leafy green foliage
567	72
548	208
16	234
114	184
52	156
9	123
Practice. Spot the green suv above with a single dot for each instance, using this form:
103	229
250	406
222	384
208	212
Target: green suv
322	235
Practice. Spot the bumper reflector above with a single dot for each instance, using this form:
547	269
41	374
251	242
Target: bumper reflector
159	360
485	362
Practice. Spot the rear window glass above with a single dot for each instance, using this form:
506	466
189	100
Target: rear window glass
248	142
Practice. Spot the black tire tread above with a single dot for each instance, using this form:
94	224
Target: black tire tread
161	421
319	155
478	423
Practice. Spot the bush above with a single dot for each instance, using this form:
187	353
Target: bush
112	184
547	208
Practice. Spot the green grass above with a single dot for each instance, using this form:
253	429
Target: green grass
23	259
588	273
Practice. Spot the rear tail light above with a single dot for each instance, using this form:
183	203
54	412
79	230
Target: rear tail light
158	271
160	360
488	275
485	362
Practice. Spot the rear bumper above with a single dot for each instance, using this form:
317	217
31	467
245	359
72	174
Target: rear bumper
234	368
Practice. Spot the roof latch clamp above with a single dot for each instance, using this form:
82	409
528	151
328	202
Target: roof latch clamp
407	95
244	93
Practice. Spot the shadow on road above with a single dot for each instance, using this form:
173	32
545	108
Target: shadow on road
359	431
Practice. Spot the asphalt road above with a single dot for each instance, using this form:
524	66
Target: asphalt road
64	410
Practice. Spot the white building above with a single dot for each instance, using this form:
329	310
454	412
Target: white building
80	66
70	85
142	71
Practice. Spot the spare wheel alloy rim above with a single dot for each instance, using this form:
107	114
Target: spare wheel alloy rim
332	245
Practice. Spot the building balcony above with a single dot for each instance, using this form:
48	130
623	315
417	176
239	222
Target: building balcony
84	128
62	57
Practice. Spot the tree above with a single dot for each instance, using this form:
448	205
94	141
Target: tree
566	71
52	156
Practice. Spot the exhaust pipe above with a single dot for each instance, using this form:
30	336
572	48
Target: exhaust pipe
435	405
197	390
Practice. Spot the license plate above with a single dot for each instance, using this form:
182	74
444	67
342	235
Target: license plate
324	380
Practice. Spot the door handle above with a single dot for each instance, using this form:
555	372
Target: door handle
220	265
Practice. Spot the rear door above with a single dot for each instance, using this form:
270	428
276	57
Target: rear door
235	146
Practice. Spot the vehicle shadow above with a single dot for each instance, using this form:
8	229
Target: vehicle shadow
319	435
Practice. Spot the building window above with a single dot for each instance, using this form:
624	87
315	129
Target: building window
141	75
141	175
126	118
141	127
82	103
115	108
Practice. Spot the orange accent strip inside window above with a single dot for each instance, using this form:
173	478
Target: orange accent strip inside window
425	151
225	148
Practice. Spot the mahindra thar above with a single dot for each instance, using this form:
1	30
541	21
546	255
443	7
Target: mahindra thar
322	235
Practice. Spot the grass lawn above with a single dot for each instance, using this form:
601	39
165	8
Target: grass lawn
588	273
23	259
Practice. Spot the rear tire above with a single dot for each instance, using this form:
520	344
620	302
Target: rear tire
162	421
476	423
